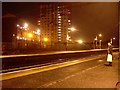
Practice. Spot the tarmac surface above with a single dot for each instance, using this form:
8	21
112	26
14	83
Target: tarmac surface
89	74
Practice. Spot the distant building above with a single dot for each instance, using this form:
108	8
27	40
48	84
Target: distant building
8	31
18	33
51	31
28	35
54	21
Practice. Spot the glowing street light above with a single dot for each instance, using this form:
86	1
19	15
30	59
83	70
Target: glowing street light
114	38
100	35
18	37
18	25
68	37
30	35
73	29
96	40
13	35
111	40
45	39
80	41
25	25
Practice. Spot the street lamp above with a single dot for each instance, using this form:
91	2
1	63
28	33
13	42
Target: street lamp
100	43
68	37
111	40
30	35
100	35
80	41
45	39
73	29
114	38
96	38
25	25
18	25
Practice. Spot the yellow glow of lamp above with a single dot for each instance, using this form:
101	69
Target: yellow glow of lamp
25	25
73	29
100	35
45	39
114	38
80	41
30	35
18	25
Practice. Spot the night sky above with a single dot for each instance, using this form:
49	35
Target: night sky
89	19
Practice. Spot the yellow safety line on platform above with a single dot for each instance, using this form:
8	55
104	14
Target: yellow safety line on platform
25	72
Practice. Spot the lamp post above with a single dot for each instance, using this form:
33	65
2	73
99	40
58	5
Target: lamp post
111	40
68	37
100	41
96	39
100	44
95	42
